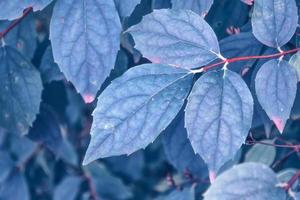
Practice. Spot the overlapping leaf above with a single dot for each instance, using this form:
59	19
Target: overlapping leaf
179	150
22	37
198	6
274	22
21	91
85	39
218	116
246	181
276	87
135	108
176	37
13	9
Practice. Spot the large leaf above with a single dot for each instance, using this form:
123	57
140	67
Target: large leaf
22	37
13	9
126	7
198	6
246	181
179	150
135	108
85	39
21	91
276	87
274	22
218	116
176	37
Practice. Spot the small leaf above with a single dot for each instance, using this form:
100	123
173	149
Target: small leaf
13	9
126	7
135	108
218	116
85	39
198	6
68	153
179	150
49	69
276	87
295	62
22	37
106	184
67	189
274	22
246	181
261	153
21	91
286	174
176	37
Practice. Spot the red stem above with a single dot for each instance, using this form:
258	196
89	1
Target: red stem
15	23
236	59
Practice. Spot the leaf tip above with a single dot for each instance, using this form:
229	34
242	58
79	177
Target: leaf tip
212	176
279	123
88	98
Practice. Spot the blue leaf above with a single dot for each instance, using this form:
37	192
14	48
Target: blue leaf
246	181
85	39
159	4
179	150
295	62
274	22
22	37
67	188
218	116
126	7
135	108
176	37
107	185
6	165
21	91
49	69
198	6
276	88
13	9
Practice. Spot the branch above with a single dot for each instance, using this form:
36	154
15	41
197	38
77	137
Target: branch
236	59
15	23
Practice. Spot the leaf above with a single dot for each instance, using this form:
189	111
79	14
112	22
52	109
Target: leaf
218	116
276	87
246	181
14	187
179	150
238	45
274	22
198	6
159	4
68	153
85	39
176	37
22	37
295	62
21	91
135	108
106	184
49	69
126	7
187	193
46	129
67	188
261	153
13	9
286	174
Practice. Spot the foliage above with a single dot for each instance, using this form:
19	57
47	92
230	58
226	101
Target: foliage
149	99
